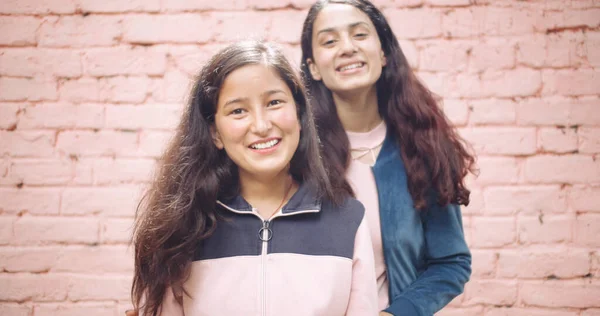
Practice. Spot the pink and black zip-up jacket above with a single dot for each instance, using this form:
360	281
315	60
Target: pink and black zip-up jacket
311	258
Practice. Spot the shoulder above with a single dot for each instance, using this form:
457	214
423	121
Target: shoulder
350	209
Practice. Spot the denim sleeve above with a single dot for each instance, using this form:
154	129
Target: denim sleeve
448	265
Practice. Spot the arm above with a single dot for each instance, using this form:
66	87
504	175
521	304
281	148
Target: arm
448	265
363	295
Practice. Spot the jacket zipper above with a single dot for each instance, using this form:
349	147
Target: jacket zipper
265	234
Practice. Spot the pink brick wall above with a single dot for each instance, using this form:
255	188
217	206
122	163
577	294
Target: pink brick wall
90	91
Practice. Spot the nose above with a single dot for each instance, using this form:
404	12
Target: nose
347	46
261	124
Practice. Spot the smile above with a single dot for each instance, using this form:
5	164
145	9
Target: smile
265	145
351	66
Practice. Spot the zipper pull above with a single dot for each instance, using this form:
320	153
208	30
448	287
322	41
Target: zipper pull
265	233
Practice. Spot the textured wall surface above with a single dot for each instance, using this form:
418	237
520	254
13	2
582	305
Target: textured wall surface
90	92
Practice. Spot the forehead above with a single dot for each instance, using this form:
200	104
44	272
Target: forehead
250	80
337	16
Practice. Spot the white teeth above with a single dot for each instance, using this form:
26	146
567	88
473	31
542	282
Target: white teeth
265	145
352	66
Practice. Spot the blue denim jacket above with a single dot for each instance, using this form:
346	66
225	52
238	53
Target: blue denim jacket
426	256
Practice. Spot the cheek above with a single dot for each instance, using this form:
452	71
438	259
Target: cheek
232	131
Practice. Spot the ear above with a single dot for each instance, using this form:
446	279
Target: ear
383	59
314	71
216	137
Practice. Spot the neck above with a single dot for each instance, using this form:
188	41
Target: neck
266	193
358	111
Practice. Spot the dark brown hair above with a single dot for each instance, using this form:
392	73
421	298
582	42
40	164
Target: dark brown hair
433	153
179	209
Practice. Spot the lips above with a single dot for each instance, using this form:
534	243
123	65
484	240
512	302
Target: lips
265	144
350	66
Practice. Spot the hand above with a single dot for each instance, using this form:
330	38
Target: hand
131	313
380	314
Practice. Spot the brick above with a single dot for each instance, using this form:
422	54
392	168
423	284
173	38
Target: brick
512	83
38	287
415	23
528	311
492	111
497	170
591	312
457	111
80	31
110	201
492	53
124	60
592	47
27	144
42	172
117	6
104	287
531	50
37	7
15	309
544	229
448	3
528	200
256	25
439	83
410	51
494	292
441	55
543	263
8	114
493	232
81	90
566	49
561	169
589	140
484	263
558	111
115	171
501	140
587	230
585	198
572	18
476	203
18	31
61	115
462	311
21	89
95	260
570	82
125	89
30	62
153	144
190	59
204	5
176	28
489	21
286	26
67	309
577	294
104	143
28	259
38	201
557	140
116	230
44	230
147	116
6	229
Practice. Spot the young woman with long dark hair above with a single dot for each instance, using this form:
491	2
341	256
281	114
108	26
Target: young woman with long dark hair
241	218
385	139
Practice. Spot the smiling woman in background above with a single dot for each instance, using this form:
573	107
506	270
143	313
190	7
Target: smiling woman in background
385	139
242	219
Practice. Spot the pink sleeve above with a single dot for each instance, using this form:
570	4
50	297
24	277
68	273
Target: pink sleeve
363	296
170	306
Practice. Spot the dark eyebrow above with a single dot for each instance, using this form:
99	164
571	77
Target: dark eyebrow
271	92
351	25
236	100
241	100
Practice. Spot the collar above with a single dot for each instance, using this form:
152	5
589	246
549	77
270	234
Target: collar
303	201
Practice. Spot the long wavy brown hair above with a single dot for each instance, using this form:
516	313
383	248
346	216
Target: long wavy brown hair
435	156
179	209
